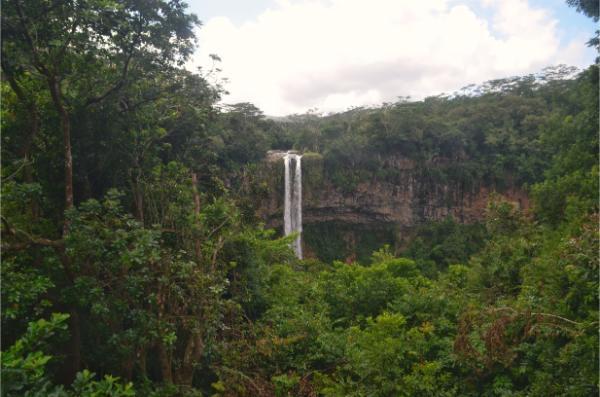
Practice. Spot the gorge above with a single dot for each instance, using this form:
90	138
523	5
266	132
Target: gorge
350	223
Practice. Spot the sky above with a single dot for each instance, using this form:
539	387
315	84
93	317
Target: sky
292	56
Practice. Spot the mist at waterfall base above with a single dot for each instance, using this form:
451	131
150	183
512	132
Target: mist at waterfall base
292	208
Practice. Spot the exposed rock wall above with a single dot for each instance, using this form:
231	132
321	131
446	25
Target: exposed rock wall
409	199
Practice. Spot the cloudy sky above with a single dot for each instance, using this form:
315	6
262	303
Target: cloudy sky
288	56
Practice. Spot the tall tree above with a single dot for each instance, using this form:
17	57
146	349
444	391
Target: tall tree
84	52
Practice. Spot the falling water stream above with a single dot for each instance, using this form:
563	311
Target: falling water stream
292	208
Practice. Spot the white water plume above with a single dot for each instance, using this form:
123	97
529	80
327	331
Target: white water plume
292	207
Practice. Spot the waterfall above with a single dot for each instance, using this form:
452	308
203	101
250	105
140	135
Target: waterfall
287	209
297	204
292	206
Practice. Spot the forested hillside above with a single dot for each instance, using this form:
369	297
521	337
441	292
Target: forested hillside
375	176
135	260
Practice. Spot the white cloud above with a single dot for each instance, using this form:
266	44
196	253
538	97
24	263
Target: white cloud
340	53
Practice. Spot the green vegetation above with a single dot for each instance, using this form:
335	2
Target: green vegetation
437	245
333	241
488	133
133	262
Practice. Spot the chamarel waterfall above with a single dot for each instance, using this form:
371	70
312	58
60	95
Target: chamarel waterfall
292	208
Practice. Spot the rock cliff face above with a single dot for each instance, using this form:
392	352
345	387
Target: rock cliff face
384	211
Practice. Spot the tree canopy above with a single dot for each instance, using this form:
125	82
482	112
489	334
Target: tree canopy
133	262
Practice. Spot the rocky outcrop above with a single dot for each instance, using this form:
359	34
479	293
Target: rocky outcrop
408	199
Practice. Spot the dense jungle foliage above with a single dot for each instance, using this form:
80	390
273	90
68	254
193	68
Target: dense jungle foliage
131	264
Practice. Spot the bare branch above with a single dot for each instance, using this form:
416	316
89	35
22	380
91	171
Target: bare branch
117	86
63	49
31	240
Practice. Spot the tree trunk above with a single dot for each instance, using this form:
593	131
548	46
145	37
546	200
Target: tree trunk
65	124
138	195
127	367
192	355
197	242
142	363
139	204
75	343
164	355
164	358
